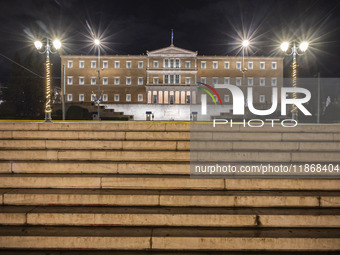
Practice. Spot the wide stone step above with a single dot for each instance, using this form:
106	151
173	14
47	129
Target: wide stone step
95	135
170	135
161	126
169	145
170	156
69	167
169	239
141	168
147	252
164	216
95	155
170	198
160	182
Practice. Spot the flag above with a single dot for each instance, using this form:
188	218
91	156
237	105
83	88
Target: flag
328	102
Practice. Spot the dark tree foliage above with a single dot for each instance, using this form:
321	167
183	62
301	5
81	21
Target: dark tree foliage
25	96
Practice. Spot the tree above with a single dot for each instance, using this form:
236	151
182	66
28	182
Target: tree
25	97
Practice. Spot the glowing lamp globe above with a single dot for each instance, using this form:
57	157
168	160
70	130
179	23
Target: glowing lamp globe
57	44
304	46
96	42
38	45
284	46
245	43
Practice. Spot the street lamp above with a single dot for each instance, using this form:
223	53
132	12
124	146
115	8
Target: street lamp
97	43
48	49
245	44
294	52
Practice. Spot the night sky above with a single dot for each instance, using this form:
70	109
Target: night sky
210	27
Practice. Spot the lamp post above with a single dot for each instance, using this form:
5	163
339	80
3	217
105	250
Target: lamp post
97	43
294	52
245	44
48	49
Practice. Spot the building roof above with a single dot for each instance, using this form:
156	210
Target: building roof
172	51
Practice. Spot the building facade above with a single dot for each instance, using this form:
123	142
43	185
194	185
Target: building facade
164	81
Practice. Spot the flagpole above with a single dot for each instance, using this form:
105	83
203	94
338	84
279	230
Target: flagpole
172	37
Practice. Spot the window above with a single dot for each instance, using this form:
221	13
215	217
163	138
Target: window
274	81
274	65
177	79
93	97
262	81
226	80
69	64
116	97
171	63
117	64
262	99
160	97
238	65
105	80
128	80
166	63
140	64
140	97
187	80
203	80
226	98
69	97
128	97
116	80
81	80
188	98
187	64
238	81
81	64
81	97
128	64
262	65
166	79
182	97
140	80
166	97
177	63
105	64
69	80
93	81
172	97
155	64
250	81
250	65
215	80
203	65
155	80
93	64
154	97
226	65
215	65
105	98
171	79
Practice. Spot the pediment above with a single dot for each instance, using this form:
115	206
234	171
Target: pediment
172	50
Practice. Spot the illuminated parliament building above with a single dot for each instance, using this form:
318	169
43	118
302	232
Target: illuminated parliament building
165	81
